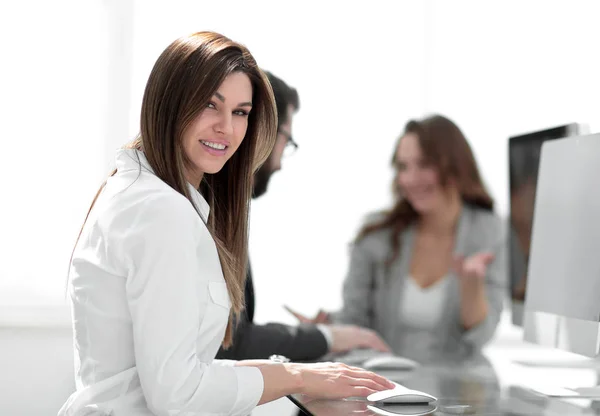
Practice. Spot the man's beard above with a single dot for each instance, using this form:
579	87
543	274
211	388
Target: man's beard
261	180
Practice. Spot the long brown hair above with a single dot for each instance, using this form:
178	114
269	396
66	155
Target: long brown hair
182	82
445	147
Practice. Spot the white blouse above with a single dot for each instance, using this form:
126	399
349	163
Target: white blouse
423	308
420	312
150	306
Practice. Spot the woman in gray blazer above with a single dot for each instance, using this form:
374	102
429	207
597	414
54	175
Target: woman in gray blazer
429	274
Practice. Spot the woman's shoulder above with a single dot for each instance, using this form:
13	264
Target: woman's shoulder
482	215
373	217
485	222
376	240
147	187
143	197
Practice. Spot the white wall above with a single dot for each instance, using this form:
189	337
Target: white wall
53	103
503	68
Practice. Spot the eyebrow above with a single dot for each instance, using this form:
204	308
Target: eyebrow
244	104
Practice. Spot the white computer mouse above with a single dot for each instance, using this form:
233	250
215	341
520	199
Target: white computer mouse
389	362
401	394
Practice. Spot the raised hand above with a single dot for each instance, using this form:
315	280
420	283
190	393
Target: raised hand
474	267
322	317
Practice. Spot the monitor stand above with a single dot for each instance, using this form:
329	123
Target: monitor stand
590	393
592	364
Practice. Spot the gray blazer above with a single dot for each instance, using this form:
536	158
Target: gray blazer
372	291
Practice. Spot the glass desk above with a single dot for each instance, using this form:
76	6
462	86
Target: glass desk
463	386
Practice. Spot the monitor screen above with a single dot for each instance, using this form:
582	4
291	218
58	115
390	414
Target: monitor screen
524	158
562	303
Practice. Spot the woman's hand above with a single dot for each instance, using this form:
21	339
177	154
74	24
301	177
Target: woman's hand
471	272
319	380
473	268
338	381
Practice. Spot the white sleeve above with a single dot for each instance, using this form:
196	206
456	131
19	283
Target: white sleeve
326	331
164	291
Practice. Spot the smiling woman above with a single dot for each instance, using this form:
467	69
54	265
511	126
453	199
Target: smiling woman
171	254
440	245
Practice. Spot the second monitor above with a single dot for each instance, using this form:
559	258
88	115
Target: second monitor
524	158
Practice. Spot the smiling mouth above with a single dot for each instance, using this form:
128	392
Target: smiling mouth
213	145
421	193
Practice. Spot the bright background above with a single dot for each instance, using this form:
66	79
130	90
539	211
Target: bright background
73	75
72	78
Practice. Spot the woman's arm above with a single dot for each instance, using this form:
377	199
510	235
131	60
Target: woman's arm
324	380
474	303
481	299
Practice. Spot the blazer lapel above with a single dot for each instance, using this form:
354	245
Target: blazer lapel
396	276
462	232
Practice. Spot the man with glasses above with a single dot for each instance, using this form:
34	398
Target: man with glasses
306	341
287	102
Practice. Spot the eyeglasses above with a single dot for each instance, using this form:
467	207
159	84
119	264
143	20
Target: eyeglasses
290	145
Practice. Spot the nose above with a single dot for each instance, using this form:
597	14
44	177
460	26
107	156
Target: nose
407	177
225	124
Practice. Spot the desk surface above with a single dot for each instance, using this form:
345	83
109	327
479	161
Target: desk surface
472	382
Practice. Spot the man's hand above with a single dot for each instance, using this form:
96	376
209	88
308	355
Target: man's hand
321	318
350	337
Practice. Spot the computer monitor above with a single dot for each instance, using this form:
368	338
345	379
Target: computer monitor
562	303
523	159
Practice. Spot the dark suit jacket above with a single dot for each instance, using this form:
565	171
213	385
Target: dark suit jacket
252	341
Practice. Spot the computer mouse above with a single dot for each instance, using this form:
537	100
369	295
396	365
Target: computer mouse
358	356
400	394
389	362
